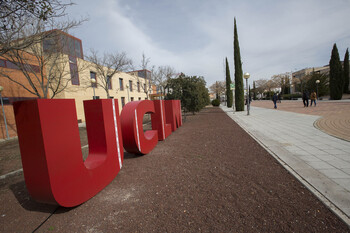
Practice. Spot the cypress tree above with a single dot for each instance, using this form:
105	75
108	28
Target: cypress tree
229	94
346	72
254	91
336	81
239	91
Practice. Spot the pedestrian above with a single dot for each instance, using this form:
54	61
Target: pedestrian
313	98
306	98
274	99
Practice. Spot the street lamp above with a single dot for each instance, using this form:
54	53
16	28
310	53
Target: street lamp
93	82
3	113
246	76
317	82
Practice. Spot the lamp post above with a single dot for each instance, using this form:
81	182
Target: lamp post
93	82
3	113
246	76
317	82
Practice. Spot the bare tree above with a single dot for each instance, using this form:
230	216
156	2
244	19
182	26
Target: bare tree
18	15
144	77
108	66
44	69
282	81
219	88
161	76
261	85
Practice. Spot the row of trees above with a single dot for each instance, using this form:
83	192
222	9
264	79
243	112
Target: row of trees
220	87
25	25
334	84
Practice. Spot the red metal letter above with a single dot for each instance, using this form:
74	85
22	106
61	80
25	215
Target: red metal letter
173	113
159	120
135	140
53	166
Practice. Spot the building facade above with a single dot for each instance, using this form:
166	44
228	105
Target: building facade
74	76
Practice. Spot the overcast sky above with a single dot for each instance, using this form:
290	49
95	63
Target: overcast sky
194	36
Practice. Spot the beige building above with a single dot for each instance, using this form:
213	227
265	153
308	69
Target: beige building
72	78
123	86
300	76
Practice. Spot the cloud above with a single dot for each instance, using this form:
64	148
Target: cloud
194	37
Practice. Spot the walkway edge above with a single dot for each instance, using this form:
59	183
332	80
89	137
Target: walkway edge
308	185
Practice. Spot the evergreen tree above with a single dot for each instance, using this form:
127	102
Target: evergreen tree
346	72
239	91
191	91
229	94
254	91
336	81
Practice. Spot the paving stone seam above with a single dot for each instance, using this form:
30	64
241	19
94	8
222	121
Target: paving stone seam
308	185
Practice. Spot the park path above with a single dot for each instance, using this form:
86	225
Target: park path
335	115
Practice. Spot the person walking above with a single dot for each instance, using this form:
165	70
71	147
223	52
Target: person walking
274	99
306	98
313	98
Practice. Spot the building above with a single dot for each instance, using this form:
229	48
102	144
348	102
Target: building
301	76
75	75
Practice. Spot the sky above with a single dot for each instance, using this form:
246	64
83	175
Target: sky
195	36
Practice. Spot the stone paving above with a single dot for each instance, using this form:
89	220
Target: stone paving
335	115
319	160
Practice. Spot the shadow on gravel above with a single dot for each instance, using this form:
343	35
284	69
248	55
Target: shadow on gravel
20	192
128	155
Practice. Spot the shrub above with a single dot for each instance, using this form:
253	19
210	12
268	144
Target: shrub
291	96
215	102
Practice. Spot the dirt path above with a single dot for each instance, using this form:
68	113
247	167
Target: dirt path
208	176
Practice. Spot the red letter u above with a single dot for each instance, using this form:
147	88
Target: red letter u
52	161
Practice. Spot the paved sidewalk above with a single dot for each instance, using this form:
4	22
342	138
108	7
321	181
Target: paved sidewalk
335	114
320	161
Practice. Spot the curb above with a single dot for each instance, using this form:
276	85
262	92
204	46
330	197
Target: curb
337	211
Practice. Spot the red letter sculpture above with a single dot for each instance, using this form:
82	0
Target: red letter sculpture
52	161
159	120
173	113
135	140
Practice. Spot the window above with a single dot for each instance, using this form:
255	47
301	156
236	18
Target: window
77	46
93	76
2	63
132	99
144	87
138	86
123	101
69	45
121	85
73	70
49	45
130	85
11	65
109	84
139	98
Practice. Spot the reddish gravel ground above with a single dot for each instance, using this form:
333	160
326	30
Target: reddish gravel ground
208	176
